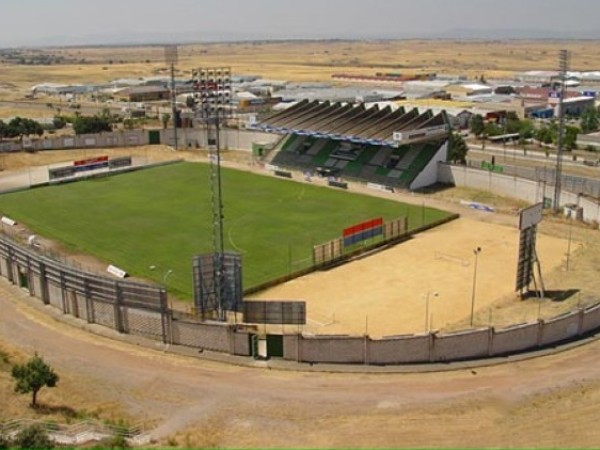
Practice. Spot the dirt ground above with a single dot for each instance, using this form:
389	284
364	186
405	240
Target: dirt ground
387	293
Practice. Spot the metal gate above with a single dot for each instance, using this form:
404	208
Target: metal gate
274	346
154	137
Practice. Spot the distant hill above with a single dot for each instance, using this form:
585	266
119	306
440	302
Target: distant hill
228	36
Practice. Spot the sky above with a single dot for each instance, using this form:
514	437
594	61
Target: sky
73	22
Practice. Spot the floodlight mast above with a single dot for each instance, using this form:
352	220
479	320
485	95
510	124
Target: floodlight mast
564	67
213	87
171	58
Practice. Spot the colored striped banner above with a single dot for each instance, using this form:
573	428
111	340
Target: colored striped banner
91	161
373	223
363	231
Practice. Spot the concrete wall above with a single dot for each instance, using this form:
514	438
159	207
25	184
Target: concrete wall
327	349
560	328
290	347
461	345
82	308
400	350
514	339
232	139
142	323
208	337
104	314
55	296
428	175
241	343
35	287
530	191
127	138
591	319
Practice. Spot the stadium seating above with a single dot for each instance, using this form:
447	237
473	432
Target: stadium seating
396	167
323	155
358	142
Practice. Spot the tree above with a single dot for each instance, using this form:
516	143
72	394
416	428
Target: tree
512	123
128	124
526	129
571	133
589	120
32	376
59	122
477	124
492	129
92	124
33	437
458	149
19	127
544	134
165	119
190	102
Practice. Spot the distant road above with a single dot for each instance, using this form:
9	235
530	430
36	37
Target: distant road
516	157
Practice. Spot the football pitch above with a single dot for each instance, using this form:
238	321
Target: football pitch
152	222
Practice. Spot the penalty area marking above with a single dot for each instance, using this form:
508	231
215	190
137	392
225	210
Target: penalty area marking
439	256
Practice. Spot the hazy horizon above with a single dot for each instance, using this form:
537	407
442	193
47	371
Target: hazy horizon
111	22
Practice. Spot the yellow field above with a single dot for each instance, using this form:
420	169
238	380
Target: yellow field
310	60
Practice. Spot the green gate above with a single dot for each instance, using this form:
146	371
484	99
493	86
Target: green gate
274	345
154	137
23	280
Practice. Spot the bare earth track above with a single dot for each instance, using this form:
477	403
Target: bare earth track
550	401
544	402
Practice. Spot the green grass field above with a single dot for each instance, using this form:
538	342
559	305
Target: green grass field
162	217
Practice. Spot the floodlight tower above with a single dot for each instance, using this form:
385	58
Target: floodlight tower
564	66
213	89
171	58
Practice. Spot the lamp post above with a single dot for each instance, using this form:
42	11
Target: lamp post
427	295
571	230
170	308
166	275
476	252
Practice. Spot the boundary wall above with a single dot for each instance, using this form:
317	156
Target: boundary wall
513	186
127	307
187	138
141	309
437	347
128	138
230	138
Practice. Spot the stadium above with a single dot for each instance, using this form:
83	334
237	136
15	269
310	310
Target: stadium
322	272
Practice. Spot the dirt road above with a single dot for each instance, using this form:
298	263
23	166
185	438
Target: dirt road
550	401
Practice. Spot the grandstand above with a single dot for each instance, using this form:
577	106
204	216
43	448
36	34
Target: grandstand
388	146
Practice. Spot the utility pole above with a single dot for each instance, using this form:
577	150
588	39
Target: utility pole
171	57
564	66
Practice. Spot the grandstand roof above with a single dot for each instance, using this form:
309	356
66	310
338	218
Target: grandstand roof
346	122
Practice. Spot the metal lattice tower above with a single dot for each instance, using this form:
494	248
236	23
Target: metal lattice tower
213	96
564	67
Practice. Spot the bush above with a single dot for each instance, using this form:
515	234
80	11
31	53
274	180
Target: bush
4	442
33	437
